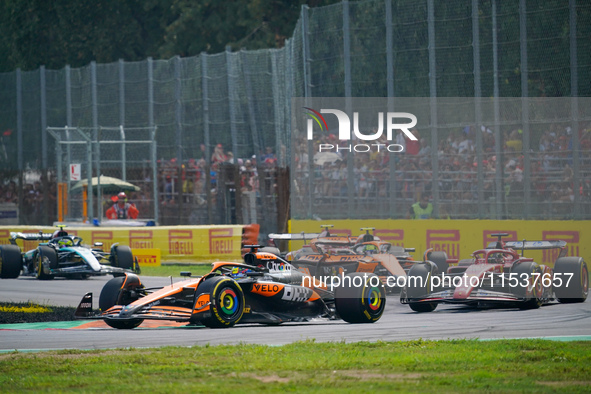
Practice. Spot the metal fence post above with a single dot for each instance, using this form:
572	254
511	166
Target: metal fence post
121	65
122	93
478	107
251	108
347	65
347	49
19	136
95	139
525	108
154	172
574	107
433	104
58	152
231	95
89	143
390	93
99	193
153	127
178	109
389	50
307	94
151	93
69	122
205	98
497	128
277	105
68	76
306	52
43	107
123	153
68	161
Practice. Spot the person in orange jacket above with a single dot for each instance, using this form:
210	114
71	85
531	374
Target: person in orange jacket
122	209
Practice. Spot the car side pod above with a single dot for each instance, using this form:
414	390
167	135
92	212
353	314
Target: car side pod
84	309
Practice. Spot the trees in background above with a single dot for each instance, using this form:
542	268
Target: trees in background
60	32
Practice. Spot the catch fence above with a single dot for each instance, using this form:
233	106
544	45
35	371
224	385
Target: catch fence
241	101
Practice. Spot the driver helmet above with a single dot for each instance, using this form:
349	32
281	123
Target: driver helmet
239	272
59	233
122	196
64	242
497	258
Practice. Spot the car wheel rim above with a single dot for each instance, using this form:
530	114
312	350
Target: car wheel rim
229	302
374	299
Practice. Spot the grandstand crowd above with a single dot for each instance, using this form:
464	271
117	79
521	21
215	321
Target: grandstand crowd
551	182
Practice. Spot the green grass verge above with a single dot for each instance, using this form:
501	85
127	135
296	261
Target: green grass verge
27	312
414	366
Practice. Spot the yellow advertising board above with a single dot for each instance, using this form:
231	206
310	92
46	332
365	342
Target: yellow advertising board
147	257
459	238
175	243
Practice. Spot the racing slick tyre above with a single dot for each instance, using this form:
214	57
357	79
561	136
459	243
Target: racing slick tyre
418	284
45	254
578	285
122	257
360	300
227	302
11	261
531	292
118	291
440	260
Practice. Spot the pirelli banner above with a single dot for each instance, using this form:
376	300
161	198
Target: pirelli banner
459	238
150	244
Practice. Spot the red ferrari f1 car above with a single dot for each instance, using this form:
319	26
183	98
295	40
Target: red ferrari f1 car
263	289
499	274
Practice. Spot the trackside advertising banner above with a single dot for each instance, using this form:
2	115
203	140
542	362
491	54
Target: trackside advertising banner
459	238
150	244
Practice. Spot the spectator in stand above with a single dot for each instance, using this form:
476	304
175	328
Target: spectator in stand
412	146
10	194
425	148
401	140
122	209
515	140
218	155
269	155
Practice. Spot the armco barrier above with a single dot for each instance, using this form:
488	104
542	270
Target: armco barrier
176	243
459	238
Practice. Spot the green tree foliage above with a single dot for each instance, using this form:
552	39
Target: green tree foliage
59	32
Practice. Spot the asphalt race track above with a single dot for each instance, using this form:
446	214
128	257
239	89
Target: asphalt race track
565	321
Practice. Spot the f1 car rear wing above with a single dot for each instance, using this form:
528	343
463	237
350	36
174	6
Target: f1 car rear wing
294	237
531	245
40	236
303	236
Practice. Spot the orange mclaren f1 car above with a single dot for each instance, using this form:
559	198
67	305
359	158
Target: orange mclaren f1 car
327	255
263	289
